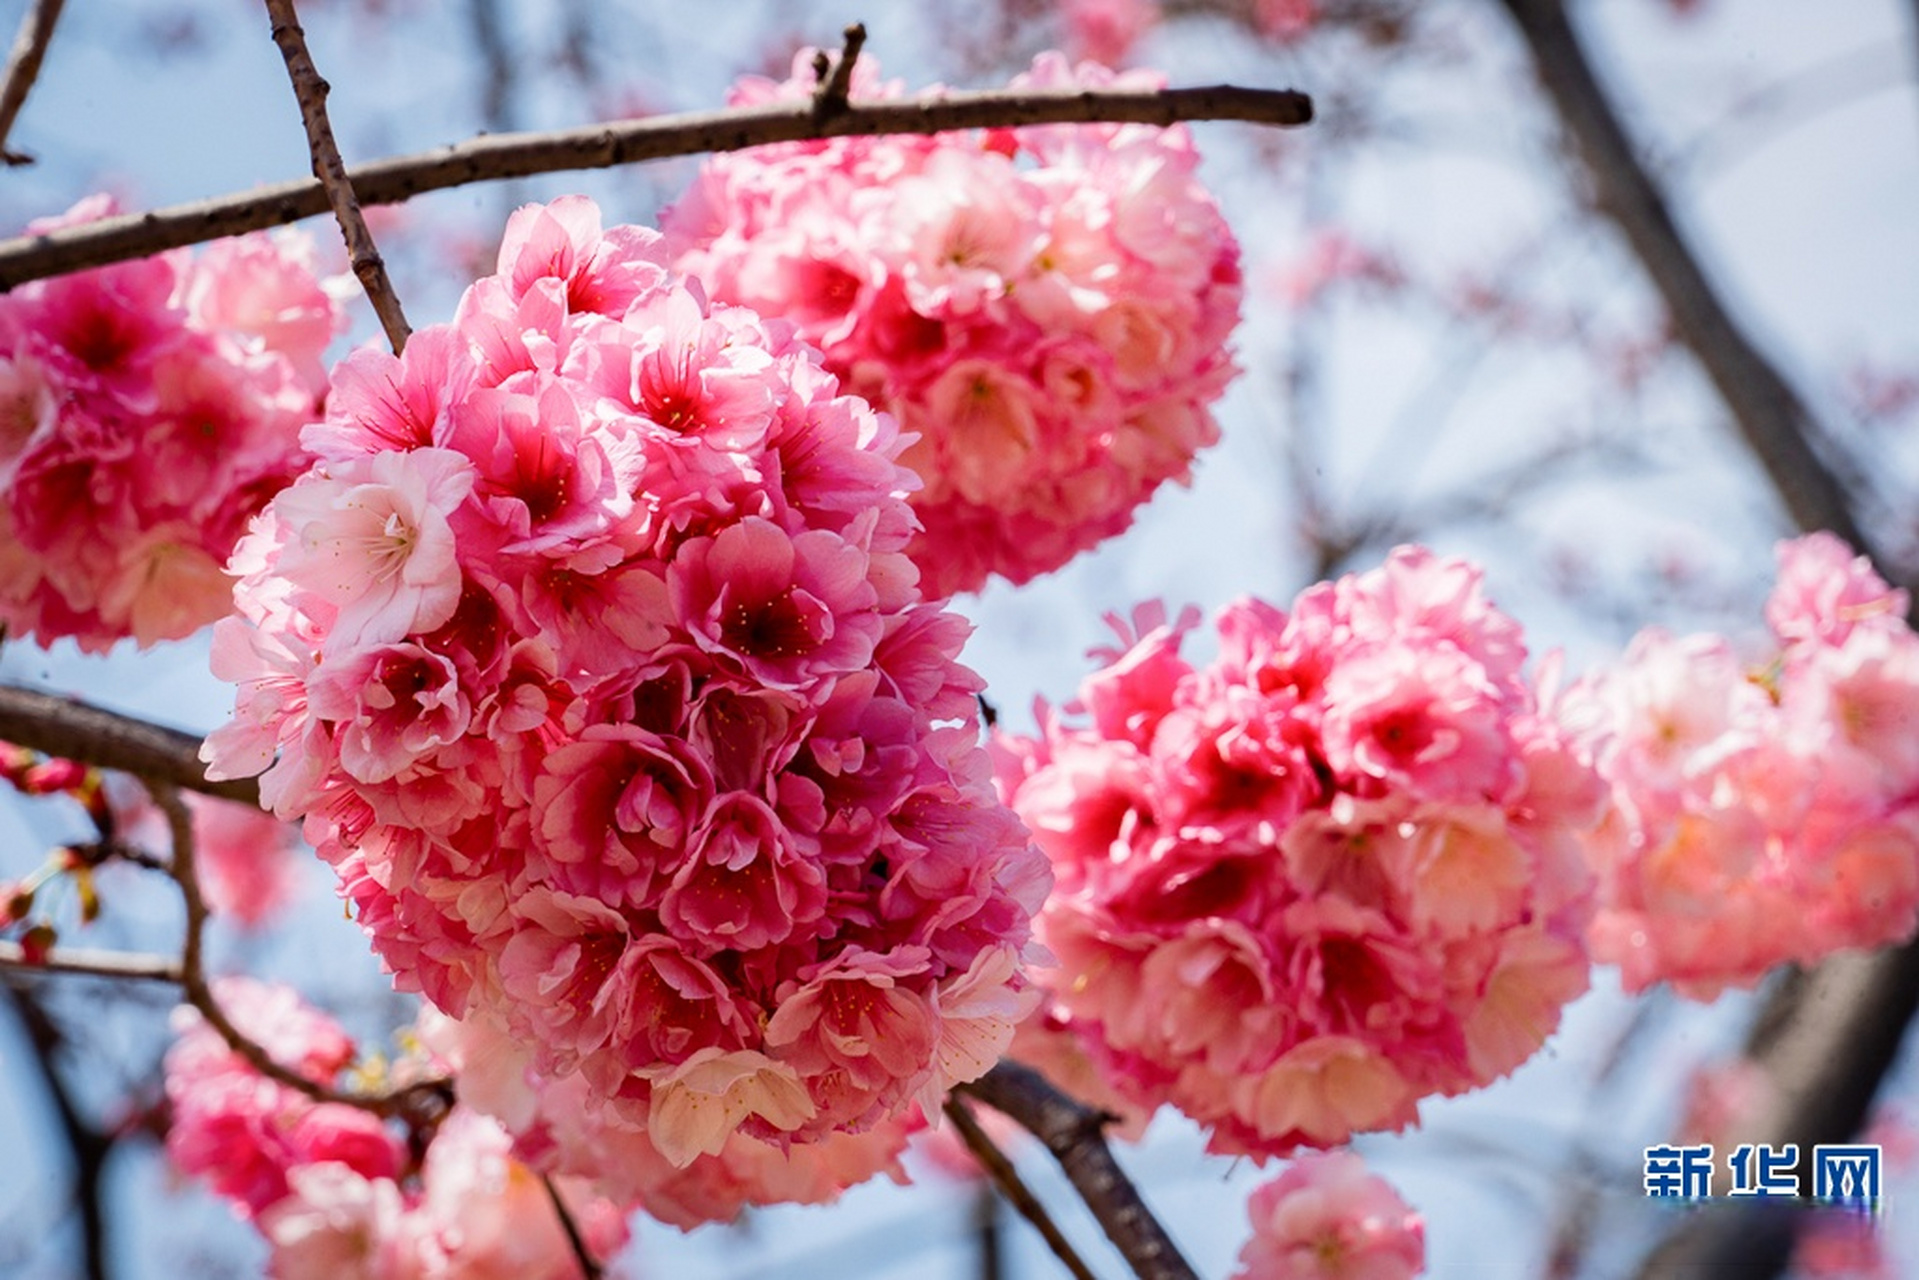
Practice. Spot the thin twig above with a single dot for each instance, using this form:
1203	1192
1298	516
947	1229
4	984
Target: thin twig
590	1268
89	1145
518	155
1074	1134
123	965
836	79
23	67
92	735
496	97
311	92
1014	1188
420	1105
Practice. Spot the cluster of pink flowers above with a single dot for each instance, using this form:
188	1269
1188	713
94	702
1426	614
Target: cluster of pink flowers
1329	873
559	1126
1327	1218
1761	813
593	657
1047	308
147	411
332	1188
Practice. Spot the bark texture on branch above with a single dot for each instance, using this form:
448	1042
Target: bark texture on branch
519	155
23	67
1826	1038
91	735
1075	1134
310	90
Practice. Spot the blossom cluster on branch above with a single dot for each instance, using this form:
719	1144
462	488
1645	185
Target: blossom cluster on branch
332	1187
147	411
592	657
1325	875
1046	309
1760	812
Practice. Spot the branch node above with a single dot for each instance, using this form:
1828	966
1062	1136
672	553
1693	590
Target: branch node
830	97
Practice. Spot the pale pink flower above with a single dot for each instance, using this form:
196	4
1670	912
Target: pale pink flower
1759	814
370	537
1328	1218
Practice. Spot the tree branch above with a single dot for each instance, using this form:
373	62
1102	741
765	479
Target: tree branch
421	1105
91	735
836	78
23	66
1073	1133
590	1269
90	1147
1014	1188
310	90
518	155
124	965
1770	416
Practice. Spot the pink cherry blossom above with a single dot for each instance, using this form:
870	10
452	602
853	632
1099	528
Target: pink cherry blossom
1046	309
1328	874
151	408
1327	1218
592	660
333	1190
1760	813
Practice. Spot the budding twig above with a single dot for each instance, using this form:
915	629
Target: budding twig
126	965
1073	1132
23	66
421	1105
92	735
311	92
517	155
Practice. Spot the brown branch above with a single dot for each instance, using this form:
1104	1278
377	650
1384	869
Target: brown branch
23	67
836	78
1014	1188
1769	414
421	1105
125	965
89	1145
91	735
518	155
1827	1040
1074	1134
310	90
590	1268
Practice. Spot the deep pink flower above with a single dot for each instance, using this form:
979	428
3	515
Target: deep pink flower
592	659
147	410
1332	872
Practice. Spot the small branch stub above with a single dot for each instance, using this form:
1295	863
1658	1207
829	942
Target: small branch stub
836	79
